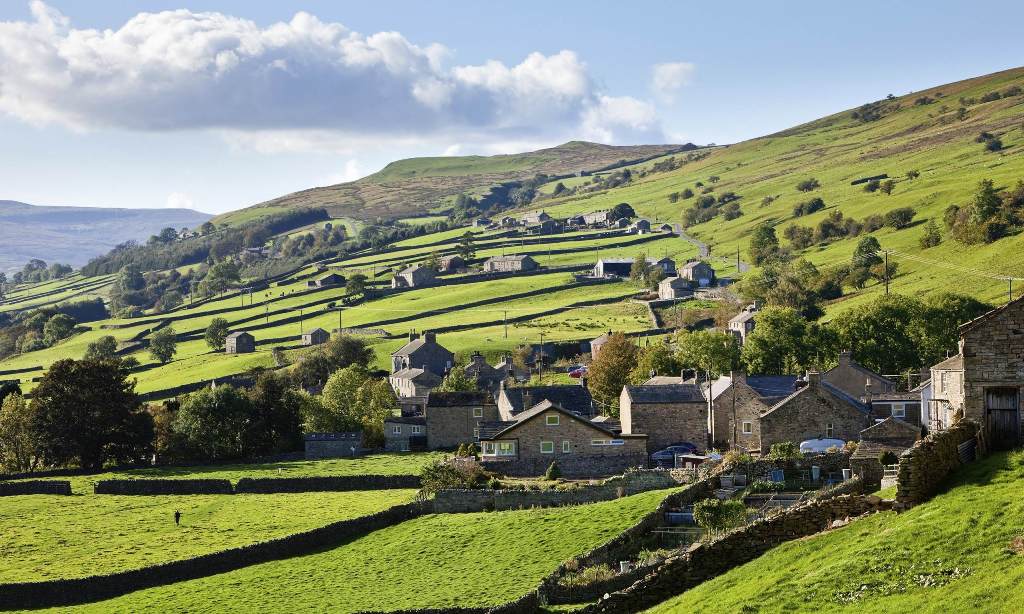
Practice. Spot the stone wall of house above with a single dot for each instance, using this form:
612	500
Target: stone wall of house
848	378
739	404
333	448
448	427
806	416
665	424
993	354
709	559
926	465
578	466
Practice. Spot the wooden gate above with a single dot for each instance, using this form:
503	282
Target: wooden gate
1002	405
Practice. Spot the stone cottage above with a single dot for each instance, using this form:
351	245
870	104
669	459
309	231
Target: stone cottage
534	217
947	393
674	288
452	263
818	410
412	386
405	433
510	264
857	380
742	324
737	403
573	398
415	276
423	352
905	406
668	415
698	273
547	432
598	343
317	336
239	342
454	418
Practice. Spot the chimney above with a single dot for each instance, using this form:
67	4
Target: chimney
739	376
845	357
413	335
813	378
477	359
429	337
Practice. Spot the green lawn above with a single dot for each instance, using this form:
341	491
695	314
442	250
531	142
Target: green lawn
47	537
467	560
961	552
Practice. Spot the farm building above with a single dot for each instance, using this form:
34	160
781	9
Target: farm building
482	222
508	221
239	342
333	445
818	410
857	380
698	273
640	227
329	280
742	324
510	264
452	263
666	228
405	434
547	432
547	227
317	336
571	397
672	288
534	217
423	352
668	415
415	276
597	218
598	343
454	418
620	267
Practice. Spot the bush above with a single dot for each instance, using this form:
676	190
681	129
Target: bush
899	219
554	471
687	193
809	207
759	486
931	236
993	145
888	458
872	186
785	450
715	515
808	185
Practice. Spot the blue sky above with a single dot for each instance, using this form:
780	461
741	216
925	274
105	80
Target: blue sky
219	111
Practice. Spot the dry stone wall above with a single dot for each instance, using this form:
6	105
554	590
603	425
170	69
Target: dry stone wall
926	465
35	487
163	487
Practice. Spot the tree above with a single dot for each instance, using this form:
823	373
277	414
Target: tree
655	359
621	210
711	352
220	277
216	333
163	344
777	345
356	284
341	394
764	245
941	315
276	419
899	219
377	402
433	262
883	334
86	412
213	423
457	381
553	472
932	236
715	516
887	186
639	269
465	247
872	186
347	350
104	348
17	439
58	327
609	372
808	185
207	228
687	193
866	253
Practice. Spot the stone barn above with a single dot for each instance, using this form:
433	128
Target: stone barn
317	336
239	342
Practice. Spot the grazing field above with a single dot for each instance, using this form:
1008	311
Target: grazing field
47	537
960	552
467	560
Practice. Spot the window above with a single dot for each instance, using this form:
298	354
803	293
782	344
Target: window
829	430
476	433
551	419
416	429
506	448
748	428
547	447
478	412
899	410
396	430
566	447
489	448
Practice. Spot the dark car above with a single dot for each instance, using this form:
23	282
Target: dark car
666	458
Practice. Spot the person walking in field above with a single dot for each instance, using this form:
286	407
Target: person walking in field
177	517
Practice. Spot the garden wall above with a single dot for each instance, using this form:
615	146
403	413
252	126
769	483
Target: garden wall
326	483
57	593
163	487
35	487
925	466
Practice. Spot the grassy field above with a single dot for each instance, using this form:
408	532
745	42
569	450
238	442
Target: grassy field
446	560
66	537
962	551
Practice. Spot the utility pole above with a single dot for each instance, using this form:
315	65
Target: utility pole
504	321
1010	279
887	272
300	321
542	358
737	258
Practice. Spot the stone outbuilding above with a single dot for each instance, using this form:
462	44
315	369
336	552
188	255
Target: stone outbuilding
454	418
415	276
239	342
700	274
330	280
510	264
620	267
598	343
452	263
674	288
333	445
534	217
668	415
742	324
317	336
888	435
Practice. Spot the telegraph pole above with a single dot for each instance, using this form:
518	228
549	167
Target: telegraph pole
887	272
737	258
1010	279
504	321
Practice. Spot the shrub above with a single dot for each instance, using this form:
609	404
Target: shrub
913	174
931	236
554	471
785	450
767	200
732	458
673	197
808	185
732	211
873	223
887	186
809	207
899	218
587	576
872	186
888	458
758	486
715	515
687	193
993	145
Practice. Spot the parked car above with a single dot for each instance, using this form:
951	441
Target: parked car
577	371
666	458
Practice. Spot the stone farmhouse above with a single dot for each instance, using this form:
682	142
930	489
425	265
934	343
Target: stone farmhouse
510	264
984	382
482	222
698	273
547	227
452	263
742	324
423	352
857	380
508	221
405	433
597	218
412	386
239	342
547	432
486	376
317	336
640	227
534	217
674	288
415	276
737	403
666	414
330	280
454	418
598	343
817	410
620	267
575	399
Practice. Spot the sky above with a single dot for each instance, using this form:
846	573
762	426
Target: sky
219	104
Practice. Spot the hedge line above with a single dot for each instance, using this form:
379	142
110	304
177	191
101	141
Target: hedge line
35	487
326	483
164	487
57	593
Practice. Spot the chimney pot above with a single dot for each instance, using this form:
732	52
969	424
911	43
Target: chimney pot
813	378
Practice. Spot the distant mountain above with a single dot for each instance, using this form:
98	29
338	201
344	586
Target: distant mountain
417	186
73	235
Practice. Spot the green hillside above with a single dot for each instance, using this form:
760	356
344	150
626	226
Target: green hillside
959	552
419	185
838	149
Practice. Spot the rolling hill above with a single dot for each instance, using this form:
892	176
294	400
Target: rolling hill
418	185
73	235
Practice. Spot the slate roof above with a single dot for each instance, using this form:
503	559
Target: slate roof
237	334
416	344
671	393
976	322
421	420
953	363
829	389
743	316
692	264
541	408
419	376
572	397
459	399
772	386
311	331
861	368
663	380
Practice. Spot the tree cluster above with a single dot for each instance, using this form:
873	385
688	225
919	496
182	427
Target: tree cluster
989	216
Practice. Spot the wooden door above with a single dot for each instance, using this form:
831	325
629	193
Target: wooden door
1002	406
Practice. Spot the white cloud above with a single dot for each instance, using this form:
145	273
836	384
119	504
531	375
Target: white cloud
622	119
452	150
179	200
299	85
668	78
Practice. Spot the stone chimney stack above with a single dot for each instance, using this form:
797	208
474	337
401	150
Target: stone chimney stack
845	357
739	376
413	335
429	337
813	378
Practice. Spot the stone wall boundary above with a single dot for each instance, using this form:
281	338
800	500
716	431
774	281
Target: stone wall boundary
35	487
163	487
926	465
337	483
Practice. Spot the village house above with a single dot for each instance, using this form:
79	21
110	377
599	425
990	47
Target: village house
510	264
547	227
668	415
666	228
508	221
405	434
317	336
329	280
423	352
742	324
412	386
597	218
817	410
737	403
991	377
576	221
888	435
451	263
485	376
482	222
454	418
857	380
347	444
674	288
239	342
904	406
547	432
598	343
534	217
620	267
573	398
415	276
698	273
946	393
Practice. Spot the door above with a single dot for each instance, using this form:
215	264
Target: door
1002	406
